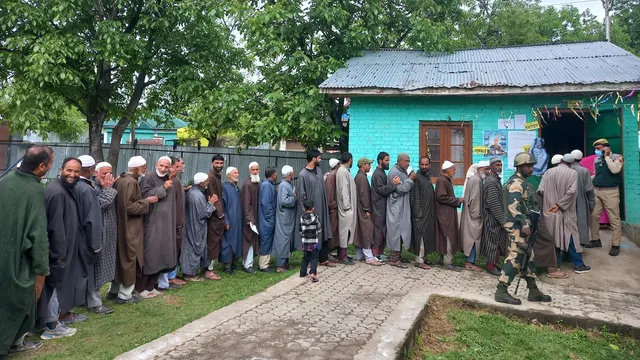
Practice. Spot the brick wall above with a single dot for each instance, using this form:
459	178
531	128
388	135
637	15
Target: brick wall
392	124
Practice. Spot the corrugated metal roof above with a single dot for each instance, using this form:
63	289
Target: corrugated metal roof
521	66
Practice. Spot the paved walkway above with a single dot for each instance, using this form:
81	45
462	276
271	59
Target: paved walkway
360	312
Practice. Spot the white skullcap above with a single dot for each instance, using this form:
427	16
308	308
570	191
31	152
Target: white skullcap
568	158
484	163
253	163
230	169
333	162
286	170
577	154
447	164
102	164
555	160
165	158
136	161
86	161
199	178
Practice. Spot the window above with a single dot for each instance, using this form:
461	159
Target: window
447	141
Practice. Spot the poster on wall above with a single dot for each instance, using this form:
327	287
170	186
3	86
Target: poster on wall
519	141
520	120
495	142
506	124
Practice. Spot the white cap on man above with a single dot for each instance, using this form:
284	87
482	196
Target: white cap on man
447	165
199	178
86	161
577	154
230	169
333	162
253	163
102	164
555	160
568	158
483	163
286	170
136	161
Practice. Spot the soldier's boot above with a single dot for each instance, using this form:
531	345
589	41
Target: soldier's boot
503	296
534	293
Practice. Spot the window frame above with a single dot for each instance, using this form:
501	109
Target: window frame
445	144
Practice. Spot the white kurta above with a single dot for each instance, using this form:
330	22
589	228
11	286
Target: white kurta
559	186
471	220
347	203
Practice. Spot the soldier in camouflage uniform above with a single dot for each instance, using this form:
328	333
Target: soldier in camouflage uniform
520	199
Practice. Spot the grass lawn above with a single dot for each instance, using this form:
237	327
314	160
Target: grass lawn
456	330
129	326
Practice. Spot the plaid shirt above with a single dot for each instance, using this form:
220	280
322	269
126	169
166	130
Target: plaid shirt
310	228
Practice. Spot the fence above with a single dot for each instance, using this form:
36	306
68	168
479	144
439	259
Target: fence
195	160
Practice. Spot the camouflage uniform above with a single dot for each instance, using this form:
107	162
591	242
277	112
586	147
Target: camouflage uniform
519	200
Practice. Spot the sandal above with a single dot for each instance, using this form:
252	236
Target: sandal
422	266
212	275
558	275
281	270
328	263
177	281
193	279
398	264
374	262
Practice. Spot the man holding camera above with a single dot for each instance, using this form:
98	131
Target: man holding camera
607	179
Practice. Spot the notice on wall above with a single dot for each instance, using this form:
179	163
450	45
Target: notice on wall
520	120
496	142
519	141
531	126
506	124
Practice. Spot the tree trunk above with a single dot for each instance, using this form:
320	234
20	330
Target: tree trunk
95	135
116	138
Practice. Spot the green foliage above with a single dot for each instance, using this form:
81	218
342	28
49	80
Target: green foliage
626	24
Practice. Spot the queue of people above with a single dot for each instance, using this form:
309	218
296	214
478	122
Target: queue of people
144	232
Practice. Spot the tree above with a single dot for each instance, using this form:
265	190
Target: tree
626	23
298	44
117	59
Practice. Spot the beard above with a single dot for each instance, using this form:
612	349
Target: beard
67	184
255	179
161	174
425	172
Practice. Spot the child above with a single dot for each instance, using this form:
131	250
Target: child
310	227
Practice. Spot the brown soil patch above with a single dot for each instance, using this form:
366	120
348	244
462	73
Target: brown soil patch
172	300
436	327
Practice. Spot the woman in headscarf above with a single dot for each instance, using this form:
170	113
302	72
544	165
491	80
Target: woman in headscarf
540	153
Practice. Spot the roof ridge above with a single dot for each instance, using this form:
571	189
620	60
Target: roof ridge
498	47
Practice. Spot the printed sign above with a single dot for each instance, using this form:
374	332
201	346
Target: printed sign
532	125
480	150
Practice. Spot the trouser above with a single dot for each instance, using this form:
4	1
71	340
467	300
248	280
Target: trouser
361	253
248	262
324	252
472	255
263	261
93	295
420	256
123	292
163	281
609	199
282	262
576	258
517	250
212	263
491	263
310	257
16	342
146	282
448	258
379	250
53	308
342	254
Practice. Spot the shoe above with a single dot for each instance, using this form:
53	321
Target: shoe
267	270
61	330
374	262
494	271
583	269
594	244
230	271
383	257
303	275
156	292
287	267
503	296
112	296
25	347
75	318
347	261
102	310
536	295
147	294
250	270
615	251
314	279
452	268
134	299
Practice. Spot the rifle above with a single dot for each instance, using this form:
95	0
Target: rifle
535	216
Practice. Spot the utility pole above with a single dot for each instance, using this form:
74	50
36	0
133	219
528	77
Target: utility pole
607	4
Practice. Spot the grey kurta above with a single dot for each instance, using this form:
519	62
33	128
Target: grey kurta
559	187
364	228
471	219
160	253
585	202
194	250
381	188
399	211
286	219
423	202
106	260
311	186
90	216
347	205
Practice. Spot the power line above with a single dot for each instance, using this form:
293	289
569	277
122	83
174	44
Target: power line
575	2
